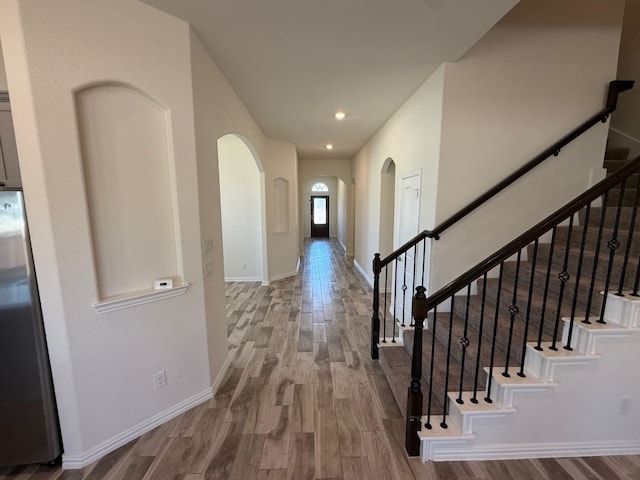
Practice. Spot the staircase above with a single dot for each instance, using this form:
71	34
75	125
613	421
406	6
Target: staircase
506	333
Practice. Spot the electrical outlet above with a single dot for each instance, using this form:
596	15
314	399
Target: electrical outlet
624	406
244	265
159	379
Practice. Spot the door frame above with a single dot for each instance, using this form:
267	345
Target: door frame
311	233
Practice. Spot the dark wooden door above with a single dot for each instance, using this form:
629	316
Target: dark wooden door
319	215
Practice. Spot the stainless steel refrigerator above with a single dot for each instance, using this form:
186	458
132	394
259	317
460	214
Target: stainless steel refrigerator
29	431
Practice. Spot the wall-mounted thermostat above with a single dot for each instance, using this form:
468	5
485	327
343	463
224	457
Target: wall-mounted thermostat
162	283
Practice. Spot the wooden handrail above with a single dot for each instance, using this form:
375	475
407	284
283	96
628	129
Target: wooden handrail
534	232
615	88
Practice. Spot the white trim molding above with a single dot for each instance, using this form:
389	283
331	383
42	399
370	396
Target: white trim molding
363	273
83	459
128	300
512	451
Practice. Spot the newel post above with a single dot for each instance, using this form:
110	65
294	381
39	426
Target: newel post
375	318
414	397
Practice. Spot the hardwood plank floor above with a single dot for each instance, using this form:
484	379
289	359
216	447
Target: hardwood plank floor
302	400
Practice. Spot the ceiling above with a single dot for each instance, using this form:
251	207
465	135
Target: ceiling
294	63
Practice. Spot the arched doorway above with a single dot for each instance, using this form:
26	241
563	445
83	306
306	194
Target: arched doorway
242	209
387	206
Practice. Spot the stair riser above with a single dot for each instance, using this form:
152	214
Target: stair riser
592	238
610	217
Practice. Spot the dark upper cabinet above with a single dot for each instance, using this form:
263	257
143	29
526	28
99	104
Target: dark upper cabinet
9	168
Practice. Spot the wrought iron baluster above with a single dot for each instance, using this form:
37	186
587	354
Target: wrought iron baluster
583	241
384	313
395	294
528	317
424	258
427	425
413	288
375	317
513	311
632	226
445	403
464	344
636	283
596	255
474	399
564	277
546	289
495	333
404	288
613	245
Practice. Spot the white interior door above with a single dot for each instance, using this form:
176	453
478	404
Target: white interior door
408	223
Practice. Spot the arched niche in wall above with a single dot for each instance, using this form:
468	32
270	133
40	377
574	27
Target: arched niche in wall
243	210
129	181
387	206
281	205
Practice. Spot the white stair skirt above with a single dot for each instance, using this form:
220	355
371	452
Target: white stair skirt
579	402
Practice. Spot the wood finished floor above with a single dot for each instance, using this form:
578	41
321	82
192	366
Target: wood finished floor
302	400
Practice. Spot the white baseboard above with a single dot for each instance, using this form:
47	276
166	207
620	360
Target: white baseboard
70	462
221	374
83	459
538	450
363	273
243	279
283	275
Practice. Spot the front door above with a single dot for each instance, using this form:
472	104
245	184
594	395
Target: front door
319	216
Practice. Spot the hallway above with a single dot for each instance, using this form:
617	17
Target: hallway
302	400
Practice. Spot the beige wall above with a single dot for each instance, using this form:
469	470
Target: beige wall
540	72
412	138
3	76
103	365
626	120
281	162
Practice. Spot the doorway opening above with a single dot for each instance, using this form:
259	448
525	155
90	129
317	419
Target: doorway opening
319	205
242	209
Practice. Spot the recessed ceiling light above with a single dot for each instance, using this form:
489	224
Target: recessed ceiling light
340	115
329	146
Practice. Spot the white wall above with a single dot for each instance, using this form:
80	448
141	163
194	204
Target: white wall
539	73
129	187
412	138
241	202
322	168
103	365
281	162
625	124
343	200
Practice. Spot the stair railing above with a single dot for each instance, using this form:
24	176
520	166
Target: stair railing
401	254
565	279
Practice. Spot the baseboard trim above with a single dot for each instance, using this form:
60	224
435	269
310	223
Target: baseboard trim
71	462
363	273
223	371
536	450
243	279
283	275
